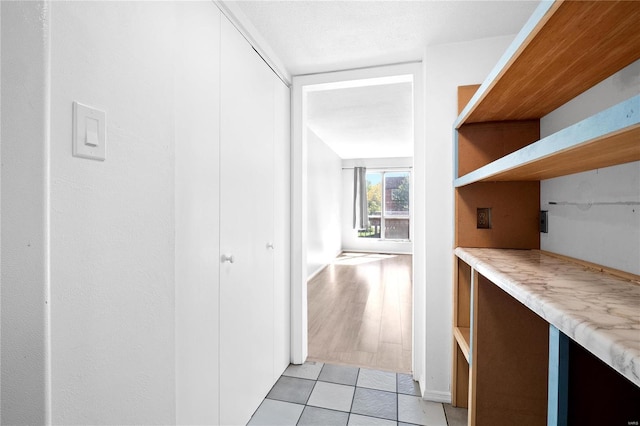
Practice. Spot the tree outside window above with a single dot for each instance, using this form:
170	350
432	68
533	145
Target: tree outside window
388	198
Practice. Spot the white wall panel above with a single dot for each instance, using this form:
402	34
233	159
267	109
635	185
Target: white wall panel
197	206
25	213
324	196
282	227
446	67
112	222
588	223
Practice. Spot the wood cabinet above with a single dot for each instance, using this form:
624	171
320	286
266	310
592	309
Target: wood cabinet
502	347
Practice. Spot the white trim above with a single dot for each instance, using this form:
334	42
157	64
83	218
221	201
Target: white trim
234	13
383	216
298	217
298	227
316	272
370	251
437	396
45	18
365	82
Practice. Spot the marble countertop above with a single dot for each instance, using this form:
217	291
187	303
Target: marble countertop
599	311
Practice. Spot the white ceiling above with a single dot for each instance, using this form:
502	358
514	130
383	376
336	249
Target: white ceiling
319	36
364	122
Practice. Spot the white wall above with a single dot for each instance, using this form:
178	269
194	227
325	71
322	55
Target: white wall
197	186
127	247
0	215
350	240
25	227
324	220
282	222
445	68
604	234
112	222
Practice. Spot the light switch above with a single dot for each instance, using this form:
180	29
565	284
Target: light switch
89	132
91	137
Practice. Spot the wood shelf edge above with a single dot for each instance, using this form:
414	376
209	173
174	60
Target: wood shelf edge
540	16
633	278
463	337
621	122
604	34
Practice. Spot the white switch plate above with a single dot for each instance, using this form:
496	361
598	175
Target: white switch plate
89	132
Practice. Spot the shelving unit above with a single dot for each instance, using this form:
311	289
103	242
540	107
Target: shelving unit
608	138
503	348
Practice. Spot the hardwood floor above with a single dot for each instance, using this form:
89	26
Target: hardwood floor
359	312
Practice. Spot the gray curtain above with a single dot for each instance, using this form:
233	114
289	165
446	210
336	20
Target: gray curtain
360	205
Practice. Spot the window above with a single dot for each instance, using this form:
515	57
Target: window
388	196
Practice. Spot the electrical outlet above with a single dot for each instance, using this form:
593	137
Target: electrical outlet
484	218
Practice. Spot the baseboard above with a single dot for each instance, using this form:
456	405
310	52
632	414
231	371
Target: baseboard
321	268
437	396
317	271
371	251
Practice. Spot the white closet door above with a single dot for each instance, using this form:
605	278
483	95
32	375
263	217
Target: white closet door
246	221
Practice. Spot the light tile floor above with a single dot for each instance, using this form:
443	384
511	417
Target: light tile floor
325	394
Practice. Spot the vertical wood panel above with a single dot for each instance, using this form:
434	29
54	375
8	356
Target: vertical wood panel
461	318
481	143
514	210
463	295
510	360
461	380
465	93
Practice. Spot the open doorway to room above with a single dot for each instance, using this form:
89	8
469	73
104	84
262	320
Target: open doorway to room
355	217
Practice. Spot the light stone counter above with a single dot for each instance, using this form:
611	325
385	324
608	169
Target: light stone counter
599	311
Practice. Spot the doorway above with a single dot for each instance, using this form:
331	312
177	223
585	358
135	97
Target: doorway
360	312
302	86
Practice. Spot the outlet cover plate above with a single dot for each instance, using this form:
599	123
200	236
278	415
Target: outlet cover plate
484	218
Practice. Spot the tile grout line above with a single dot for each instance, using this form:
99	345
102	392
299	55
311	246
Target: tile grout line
397	400
353	398
349	413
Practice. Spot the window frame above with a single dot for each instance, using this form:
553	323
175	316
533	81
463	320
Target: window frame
383	208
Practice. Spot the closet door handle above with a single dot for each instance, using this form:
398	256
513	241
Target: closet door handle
270	246
225	258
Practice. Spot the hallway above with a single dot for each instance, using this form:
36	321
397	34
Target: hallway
360	312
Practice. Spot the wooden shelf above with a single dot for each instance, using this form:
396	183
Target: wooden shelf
608	138
565	48
463	337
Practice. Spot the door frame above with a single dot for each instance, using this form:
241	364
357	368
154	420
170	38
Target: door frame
301	85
